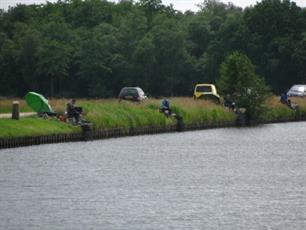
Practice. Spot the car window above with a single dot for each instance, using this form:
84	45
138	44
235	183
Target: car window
204	89
132	92
129	92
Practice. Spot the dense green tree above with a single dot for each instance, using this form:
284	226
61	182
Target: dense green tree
92	48
170	53
146	61
53	63
28	43
10	81
278	27
239	81
299	59
151	5
95	60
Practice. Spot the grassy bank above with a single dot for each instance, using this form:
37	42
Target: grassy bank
106	114
201	111
33	127
109	113
276	111
126	115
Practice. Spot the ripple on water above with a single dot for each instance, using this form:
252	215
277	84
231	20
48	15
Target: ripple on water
247	178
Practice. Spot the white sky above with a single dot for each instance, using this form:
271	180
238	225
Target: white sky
181	5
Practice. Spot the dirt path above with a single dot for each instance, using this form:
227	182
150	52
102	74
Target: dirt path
9	115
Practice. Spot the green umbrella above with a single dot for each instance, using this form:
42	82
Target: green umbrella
38	102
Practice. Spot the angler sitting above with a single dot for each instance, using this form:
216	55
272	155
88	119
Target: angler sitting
284	99
73	111
165	107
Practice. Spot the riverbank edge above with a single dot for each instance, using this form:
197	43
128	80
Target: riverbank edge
89	135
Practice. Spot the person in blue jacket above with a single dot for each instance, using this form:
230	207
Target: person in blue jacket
165	107
284	98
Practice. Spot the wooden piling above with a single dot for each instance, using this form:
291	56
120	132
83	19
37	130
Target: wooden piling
15	110
87	131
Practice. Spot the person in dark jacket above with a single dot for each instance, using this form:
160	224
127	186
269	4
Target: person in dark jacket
229	102
73	111
284	99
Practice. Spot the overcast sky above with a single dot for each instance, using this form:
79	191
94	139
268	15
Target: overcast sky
181	5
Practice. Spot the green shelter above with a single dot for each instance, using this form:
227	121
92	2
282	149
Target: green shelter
38	102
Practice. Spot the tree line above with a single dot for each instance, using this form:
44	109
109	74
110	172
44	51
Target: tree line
92	48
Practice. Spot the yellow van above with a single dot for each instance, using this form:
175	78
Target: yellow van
206	91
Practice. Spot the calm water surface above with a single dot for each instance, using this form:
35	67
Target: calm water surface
250	178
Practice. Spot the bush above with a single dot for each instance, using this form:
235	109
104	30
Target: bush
239	81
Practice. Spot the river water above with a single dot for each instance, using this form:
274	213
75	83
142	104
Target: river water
232	178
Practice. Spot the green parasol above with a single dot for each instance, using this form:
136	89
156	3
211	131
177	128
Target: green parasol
38	102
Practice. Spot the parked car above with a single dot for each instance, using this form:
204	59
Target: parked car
206	91
297	91
132	94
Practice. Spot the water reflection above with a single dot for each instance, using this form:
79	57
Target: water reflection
250	178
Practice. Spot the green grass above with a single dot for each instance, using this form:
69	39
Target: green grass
276	111
201	111
277	114
33	127
112	114
106	114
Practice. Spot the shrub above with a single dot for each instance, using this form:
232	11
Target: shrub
239	81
